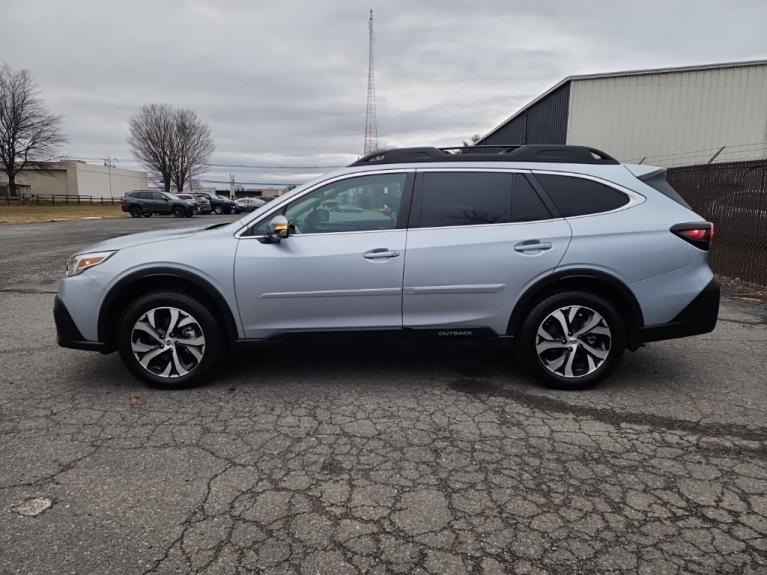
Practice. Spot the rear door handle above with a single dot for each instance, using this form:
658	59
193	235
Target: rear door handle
380	253
532	246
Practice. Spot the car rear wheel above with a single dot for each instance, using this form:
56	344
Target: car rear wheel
135	212
170	340
572	340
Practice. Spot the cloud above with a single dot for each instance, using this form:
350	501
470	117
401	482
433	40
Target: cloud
283	83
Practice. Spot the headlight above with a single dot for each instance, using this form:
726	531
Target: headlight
81	262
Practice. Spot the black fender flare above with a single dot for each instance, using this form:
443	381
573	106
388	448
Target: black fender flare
200	283
632	310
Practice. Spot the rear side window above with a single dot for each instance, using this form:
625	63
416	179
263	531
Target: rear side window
465	198
578	196
658	181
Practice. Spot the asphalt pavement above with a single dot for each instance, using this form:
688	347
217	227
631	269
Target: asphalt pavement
370	456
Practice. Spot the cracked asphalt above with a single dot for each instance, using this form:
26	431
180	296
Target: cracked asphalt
366	456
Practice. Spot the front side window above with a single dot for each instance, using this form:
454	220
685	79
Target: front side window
474	198
362	203
579	196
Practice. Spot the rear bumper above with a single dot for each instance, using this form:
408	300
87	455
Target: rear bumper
698	317
67	334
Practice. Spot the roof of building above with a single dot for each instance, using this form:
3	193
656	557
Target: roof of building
646	71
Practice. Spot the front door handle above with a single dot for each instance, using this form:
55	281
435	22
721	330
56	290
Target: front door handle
532	246
380	253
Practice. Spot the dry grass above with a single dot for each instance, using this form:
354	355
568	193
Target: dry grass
32	214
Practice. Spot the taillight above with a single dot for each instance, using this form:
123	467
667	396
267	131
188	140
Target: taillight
123	200
699	234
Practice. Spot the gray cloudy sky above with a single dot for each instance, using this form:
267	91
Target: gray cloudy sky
283	83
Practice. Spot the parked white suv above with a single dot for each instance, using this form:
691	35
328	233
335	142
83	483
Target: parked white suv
562	249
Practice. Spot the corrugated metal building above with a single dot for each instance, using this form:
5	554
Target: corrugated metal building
666	116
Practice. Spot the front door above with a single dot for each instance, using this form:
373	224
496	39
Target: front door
341	266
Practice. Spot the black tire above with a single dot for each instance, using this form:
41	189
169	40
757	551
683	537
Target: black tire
135	212
204	324
219	210
583	377
146	215
179	212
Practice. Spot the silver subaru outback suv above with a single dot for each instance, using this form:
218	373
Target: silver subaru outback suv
570	254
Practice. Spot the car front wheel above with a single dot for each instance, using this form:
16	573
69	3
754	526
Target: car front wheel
219	210
170	340
572	340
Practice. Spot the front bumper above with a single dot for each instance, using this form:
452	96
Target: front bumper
698	317
67	334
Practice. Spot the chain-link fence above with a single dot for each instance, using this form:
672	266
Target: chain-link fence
733	196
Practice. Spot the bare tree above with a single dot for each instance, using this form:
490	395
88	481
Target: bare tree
193	147
151	140
472	141
29	133
172	144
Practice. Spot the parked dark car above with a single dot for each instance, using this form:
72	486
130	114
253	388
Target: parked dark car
220	204
202	204
249	204
145	203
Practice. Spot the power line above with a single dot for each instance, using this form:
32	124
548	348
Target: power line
250	183
259	167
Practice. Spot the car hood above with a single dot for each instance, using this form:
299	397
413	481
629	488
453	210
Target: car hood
130	240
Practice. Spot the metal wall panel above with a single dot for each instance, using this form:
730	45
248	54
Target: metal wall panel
544	122
673	118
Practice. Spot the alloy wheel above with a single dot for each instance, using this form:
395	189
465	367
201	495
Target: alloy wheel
168	342
573	341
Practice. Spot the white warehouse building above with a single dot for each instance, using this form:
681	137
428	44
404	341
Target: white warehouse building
666	116
76	178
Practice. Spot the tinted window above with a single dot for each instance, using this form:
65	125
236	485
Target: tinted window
462	199
579	196
355	204
144	195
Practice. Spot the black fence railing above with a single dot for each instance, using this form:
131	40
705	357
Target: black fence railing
733	196
58	200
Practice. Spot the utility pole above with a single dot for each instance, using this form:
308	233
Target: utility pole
231	186
108	162
371	127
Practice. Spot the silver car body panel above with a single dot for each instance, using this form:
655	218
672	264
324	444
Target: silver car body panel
469	276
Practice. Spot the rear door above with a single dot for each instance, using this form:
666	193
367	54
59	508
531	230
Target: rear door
160	203
476	240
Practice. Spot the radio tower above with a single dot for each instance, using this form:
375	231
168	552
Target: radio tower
371	129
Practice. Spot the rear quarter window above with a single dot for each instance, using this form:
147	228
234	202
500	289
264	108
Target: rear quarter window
658	182
574	196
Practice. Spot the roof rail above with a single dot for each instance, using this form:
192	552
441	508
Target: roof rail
547	153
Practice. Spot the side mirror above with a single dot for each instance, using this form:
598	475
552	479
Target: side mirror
279	227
